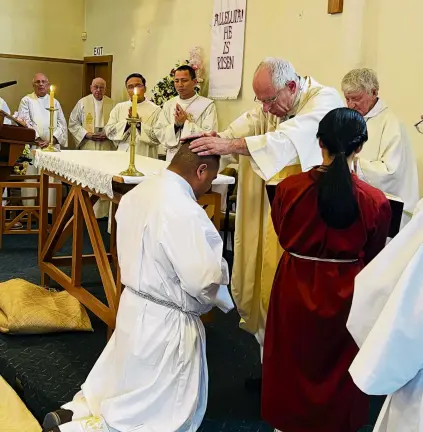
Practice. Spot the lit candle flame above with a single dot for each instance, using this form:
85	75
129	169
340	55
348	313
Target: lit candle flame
51	88
135	91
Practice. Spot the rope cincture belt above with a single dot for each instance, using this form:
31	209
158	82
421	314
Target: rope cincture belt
162	302
323	259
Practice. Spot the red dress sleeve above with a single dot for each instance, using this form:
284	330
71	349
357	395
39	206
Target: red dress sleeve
377	238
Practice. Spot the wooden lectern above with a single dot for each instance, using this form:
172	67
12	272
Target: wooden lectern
12	143
397	207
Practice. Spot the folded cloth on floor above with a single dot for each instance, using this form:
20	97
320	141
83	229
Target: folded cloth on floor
26	308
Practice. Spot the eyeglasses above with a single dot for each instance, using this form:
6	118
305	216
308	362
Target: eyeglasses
269	101
138	86
419	126
98	87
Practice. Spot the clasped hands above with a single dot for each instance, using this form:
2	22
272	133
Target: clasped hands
180	116
99	136
43	144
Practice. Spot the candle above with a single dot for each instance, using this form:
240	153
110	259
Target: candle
134	103
51	96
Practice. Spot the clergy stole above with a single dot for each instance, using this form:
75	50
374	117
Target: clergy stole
89	123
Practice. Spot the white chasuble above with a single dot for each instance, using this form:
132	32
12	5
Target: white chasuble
33	111
118	130
202	117
278	148
386	321
90	116
387	161
152	375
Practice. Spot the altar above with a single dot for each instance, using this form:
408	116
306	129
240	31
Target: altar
92	175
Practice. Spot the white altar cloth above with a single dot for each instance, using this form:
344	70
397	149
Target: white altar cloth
95	170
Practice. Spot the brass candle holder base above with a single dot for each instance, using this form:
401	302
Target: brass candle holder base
132	171
50	147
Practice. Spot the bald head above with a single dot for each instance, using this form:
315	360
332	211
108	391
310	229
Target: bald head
40	84
198	171
98	88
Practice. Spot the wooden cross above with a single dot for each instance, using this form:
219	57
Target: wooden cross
335	6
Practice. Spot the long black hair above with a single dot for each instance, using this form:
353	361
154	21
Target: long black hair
341	132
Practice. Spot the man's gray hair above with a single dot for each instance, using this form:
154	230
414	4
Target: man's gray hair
282	71
359	80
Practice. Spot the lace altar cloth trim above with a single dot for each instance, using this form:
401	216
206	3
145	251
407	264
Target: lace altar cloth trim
96	169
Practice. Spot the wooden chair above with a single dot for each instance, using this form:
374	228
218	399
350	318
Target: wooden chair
228	217
15	211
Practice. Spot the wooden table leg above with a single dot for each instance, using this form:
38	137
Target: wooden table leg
43	223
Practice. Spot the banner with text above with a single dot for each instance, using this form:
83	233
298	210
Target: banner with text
227	48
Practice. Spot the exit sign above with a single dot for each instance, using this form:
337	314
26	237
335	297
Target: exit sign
98	51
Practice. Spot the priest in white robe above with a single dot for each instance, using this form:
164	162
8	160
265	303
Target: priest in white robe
387	161
152	375
386	321
186	114
86	124
33	110
88	118
4	107
272	141
118	129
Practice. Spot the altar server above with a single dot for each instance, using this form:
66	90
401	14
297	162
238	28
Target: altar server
118	128
152	374
186	114
273	140
88	118
386	321
331	224
387	160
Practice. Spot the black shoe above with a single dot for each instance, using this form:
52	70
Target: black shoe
55	429
56	418
253	385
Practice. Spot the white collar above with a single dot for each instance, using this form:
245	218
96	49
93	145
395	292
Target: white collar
376	110
181	181
191	99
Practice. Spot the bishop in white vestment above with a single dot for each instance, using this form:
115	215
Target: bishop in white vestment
33	110
152	375
186	114
386	321
274	140
88	118
118	129
387	161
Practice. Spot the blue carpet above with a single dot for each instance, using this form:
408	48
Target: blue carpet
47	370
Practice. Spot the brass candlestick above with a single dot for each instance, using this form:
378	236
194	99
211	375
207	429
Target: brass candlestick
132	171
50	147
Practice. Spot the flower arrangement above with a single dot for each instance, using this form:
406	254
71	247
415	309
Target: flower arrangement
164	90
24	160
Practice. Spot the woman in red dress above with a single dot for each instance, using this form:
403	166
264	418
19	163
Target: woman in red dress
330	224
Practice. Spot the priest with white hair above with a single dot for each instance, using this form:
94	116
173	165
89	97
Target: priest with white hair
4	107
275	139
88	118
386	321
33	110
387	161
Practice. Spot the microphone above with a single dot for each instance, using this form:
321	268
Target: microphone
7	84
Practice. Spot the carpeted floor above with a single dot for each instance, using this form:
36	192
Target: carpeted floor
47	370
